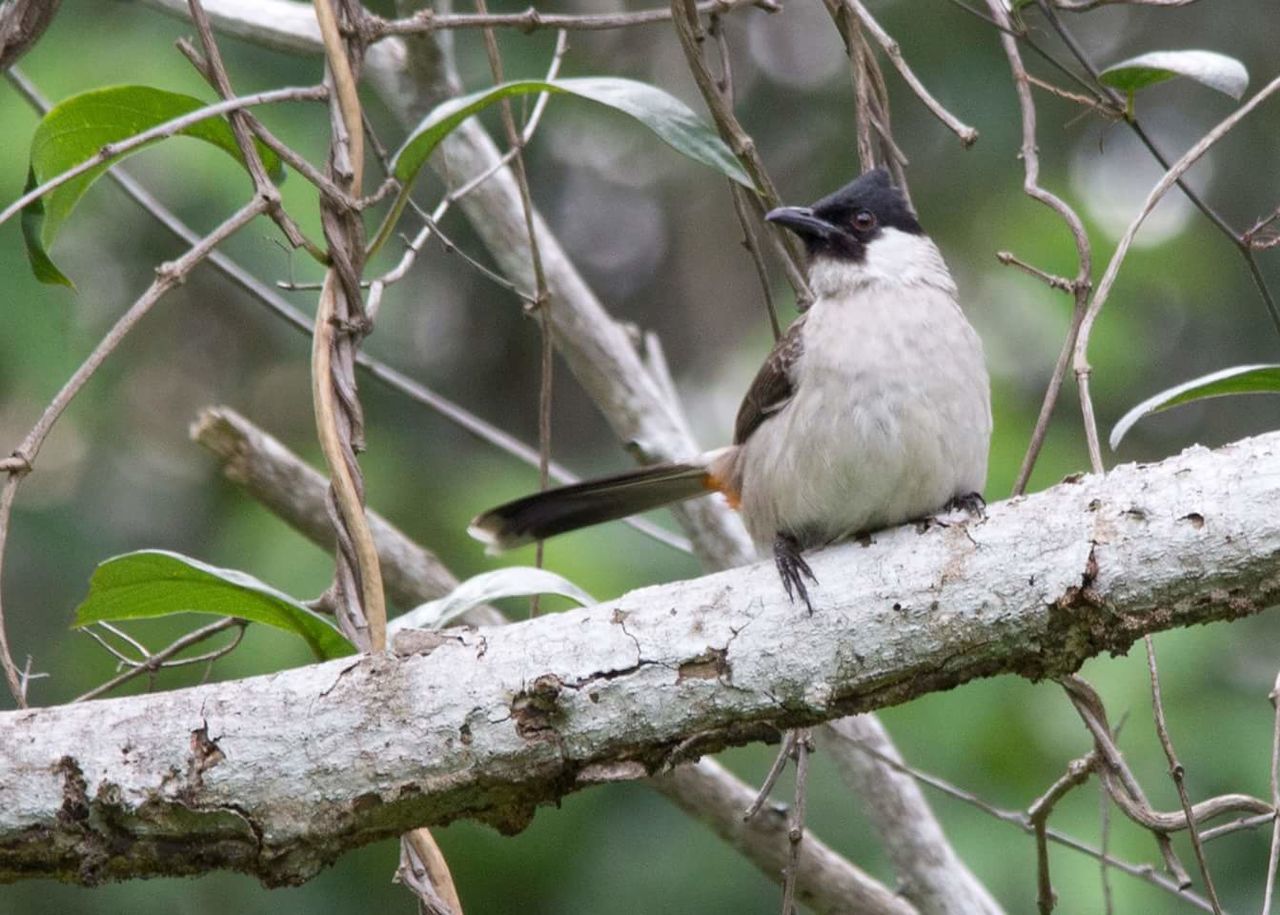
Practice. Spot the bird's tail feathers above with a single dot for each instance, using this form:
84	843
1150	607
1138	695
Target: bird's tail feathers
568	508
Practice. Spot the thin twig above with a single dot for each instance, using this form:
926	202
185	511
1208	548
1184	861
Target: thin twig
968	136
1260	235
771	778
1127	793
161	658
542	297
1104	839
169	128
1177	773
431	222
288	154
1273	858
1016	818
1084	258
1118	101
1077	774
1009	259
216	73
1171	177
17	686
358	575
532	19
689	31
740	195
795	821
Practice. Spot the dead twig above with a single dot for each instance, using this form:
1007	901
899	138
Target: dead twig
689	30
1177	773
531	20
1176	171
1078	771
795	820
1084	257
163	658
968	136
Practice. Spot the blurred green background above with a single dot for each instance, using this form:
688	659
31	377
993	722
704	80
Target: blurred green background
656	237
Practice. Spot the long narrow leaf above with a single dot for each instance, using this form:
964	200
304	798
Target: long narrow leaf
1242	379
664	114
151	583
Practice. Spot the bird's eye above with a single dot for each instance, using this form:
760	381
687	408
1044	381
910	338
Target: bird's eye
864	220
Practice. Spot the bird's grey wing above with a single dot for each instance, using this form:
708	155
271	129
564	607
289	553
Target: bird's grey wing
773	386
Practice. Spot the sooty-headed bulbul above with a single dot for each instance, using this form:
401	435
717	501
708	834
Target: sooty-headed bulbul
872	410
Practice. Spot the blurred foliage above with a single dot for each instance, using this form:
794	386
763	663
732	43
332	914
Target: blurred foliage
656	237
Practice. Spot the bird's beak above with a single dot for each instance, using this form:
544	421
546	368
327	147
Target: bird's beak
802	221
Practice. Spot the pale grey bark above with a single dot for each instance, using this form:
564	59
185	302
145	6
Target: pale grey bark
825	881
278	775
930	873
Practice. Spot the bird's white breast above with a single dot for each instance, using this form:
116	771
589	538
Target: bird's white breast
891	413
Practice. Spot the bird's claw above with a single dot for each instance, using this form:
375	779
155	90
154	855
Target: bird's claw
971	503
793	569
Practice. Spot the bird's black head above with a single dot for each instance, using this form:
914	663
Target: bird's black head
842	224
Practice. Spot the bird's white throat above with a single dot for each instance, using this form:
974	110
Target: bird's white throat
893	256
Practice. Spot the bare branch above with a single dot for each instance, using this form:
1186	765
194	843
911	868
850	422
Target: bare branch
1084	258
1175	172
1038	815
532	19
161	658
553	704
968	136
824	881
1177	774
930	872
1273	858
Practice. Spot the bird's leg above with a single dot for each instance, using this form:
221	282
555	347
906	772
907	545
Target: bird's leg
971	503
792	568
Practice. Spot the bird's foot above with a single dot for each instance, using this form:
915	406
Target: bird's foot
970	502
792	568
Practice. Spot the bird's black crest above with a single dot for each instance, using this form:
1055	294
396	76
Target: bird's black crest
875	192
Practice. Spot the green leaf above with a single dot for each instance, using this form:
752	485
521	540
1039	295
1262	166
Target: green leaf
77	128
1242	379
514	581
667	116
152	583
1217	71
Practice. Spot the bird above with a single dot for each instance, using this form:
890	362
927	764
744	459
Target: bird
873	408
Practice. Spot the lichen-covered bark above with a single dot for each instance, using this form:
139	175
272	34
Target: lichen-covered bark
277	775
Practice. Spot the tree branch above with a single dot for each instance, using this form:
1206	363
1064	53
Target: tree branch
279	781
930	873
